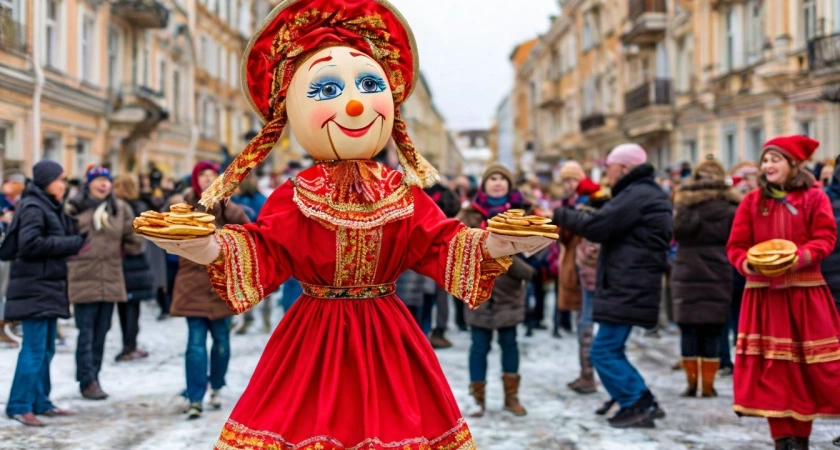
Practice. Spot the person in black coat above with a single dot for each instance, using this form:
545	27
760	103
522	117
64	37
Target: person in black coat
634	230
137	271
701	278
40	240
831	265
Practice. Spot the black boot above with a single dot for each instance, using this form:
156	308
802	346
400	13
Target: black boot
784	444
638	415
799	443
605	408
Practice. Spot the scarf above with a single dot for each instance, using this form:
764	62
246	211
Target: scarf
490	207
780	195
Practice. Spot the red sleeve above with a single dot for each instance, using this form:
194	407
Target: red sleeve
255	260
741	238
451	254
823	230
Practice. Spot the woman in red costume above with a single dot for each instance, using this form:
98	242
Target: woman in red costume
347	368
788	350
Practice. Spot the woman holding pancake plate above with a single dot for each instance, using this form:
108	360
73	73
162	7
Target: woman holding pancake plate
347	367
788	348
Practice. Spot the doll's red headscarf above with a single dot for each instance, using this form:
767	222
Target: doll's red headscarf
294	30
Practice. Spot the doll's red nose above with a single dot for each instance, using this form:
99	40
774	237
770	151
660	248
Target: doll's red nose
354	108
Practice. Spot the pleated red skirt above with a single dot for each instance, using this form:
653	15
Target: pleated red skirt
347	374
788	354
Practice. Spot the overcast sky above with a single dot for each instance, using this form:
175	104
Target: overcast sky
464	49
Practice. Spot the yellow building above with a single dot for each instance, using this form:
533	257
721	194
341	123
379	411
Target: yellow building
123	82
427	128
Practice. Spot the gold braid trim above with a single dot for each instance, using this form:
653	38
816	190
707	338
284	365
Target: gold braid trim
742	410
235	274
470	271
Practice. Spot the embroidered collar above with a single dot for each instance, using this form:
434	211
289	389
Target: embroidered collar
352	194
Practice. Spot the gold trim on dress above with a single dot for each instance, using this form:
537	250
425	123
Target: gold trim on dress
781	414
235	275
349	292
470	270
786	349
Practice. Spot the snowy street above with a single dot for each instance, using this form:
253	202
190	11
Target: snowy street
143	411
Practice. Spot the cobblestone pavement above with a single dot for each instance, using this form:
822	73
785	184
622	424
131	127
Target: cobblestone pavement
144	409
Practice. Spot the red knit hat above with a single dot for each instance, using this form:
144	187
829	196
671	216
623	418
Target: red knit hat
797	148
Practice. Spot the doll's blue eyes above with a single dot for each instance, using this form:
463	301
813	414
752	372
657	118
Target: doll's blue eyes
328	89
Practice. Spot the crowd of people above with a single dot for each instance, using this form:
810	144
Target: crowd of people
637	248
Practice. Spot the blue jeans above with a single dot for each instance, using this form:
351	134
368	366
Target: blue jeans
619	377
196	357
31	385
584	316
292	290
481	338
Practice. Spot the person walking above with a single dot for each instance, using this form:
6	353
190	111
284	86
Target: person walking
40	240
788	349
830	267
506	307
701	277
251	200
434	296
634	229
137	271
95	279
195	299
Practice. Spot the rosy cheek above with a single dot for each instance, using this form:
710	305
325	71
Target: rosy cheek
321	114
383	104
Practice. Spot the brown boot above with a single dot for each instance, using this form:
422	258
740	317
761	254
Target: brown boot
511	384
477	390
438	340
691	367
94	392
708	370
585	384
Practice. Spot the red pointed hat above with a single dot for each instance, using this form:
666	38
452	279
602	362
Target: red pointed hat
798	148
294	30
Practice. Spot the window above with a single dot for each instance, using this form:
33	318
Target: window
162	76
806	128
82	156
755	30
146	60
685	63
809	20
730	40
690	151
588	97
730	150
755	139
588	40
52	31
87	52
52	148
234	70
176	95
836	16
245	17
114	65
572	52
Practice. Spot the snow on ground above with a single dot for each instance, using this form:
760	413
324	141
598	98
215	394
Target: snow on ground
143	411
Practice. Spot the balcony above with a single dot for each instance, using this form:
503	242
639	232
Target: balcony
649	109
647	22
12	32
138	108
824	52
550	95
657	92
142	13
592	121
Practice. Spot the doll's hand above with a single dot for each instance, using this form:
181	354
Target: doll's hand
499	245
748	269
202	250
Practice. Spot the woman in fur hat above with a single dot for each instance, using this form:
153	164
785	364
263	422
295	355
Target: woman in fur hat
701	278
788	350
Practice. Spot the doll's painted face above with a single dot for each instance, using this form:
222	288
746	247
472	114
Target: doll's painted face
340	106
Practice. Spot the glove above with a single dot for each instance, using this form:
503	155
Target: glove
202	250
499	245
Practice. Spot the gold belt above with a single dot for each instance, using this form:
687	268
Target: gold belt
349	292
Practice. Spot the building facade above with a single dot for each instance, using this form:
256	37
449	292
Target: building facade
682	78
124	82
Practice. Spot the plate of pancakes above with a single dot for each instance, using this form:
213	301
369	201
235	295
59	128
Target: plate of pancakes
179	223
514	222
773	258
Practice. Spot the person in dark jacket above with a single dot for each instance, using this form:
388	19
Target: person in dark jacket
634	230
701	278
831	265
37	295
137	271
251	200
506	307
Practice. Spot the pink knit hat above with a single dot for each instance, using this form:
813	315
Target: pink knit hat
630	155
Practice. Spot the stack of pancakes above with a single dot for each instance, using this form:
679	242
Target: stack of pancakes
514	222
179	223
773	258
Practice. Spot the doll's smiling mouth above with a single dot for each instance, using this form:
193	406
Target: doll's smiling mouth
357	132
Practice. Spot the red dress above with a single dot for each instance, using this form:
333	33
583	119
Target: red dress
348	368
788	348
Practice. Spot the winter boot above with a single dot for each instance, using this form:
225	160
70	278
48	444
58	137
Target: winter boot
784	444
692	372
511	384
605	408
215	399
194	411
585	384
708	369
638	415
243	329
477	390
94	392
799	443
438	340
27	419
